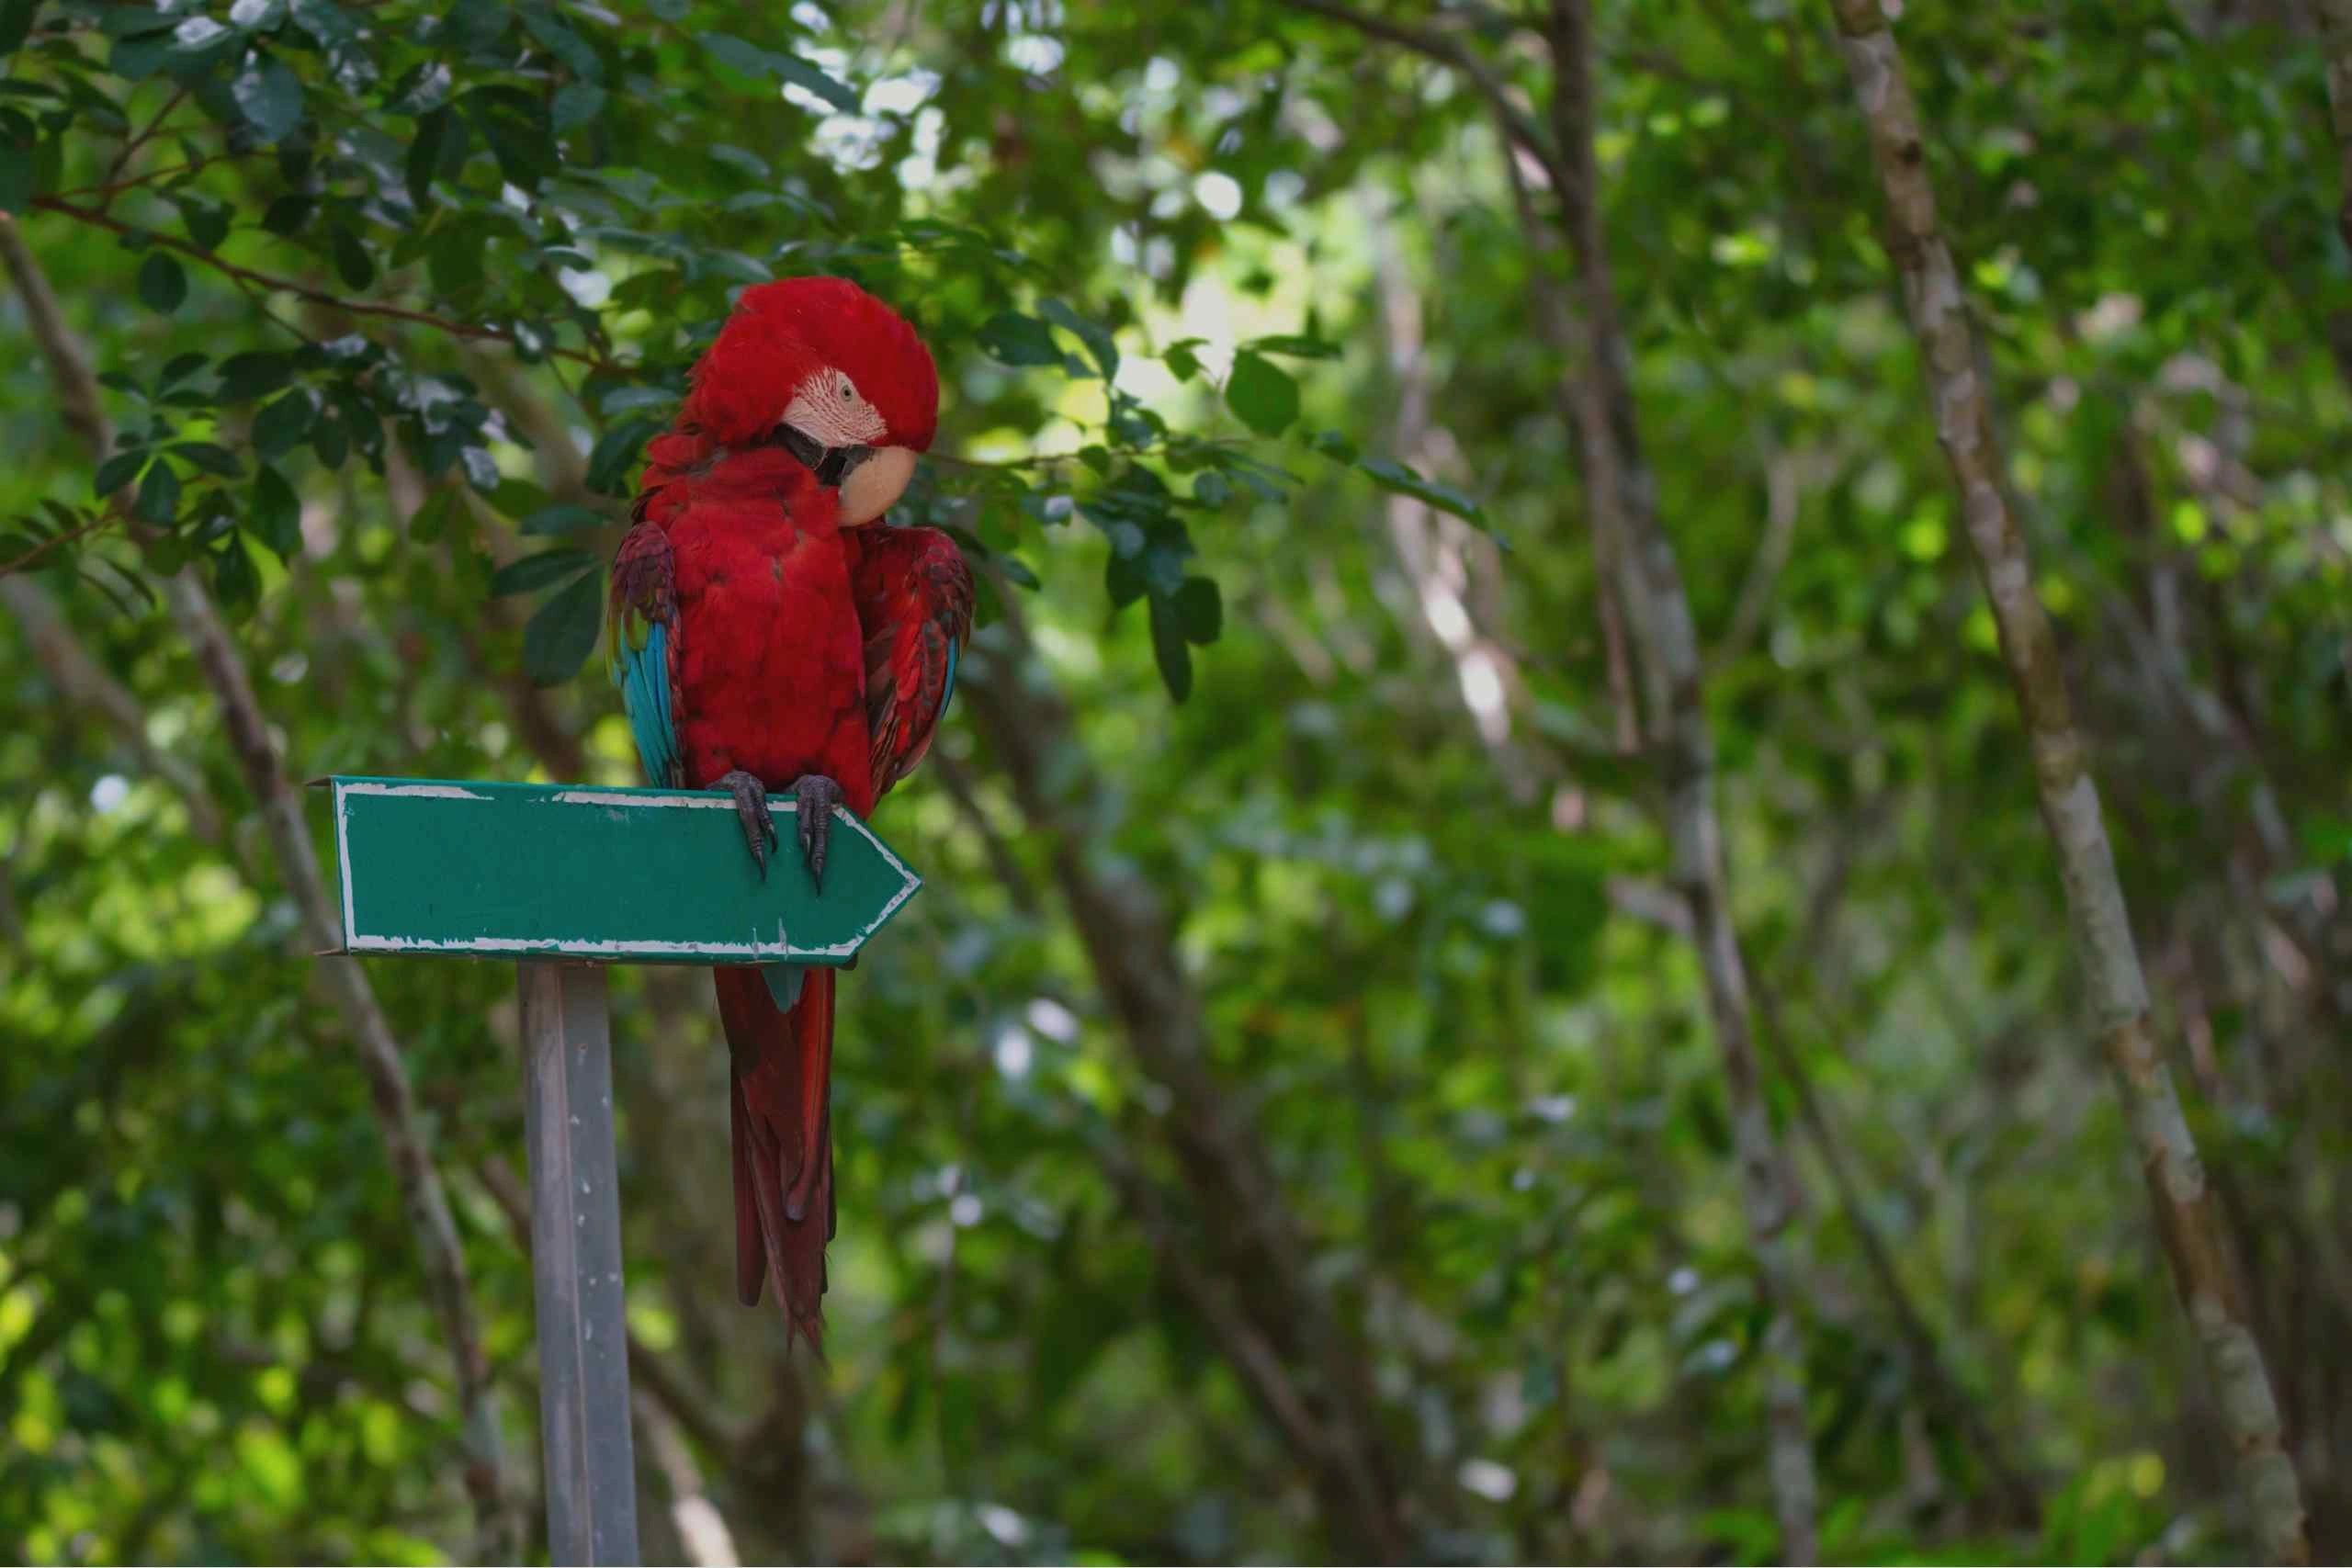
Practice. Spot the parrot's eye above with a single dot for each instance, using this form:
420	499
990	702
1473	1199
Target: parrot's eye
848	391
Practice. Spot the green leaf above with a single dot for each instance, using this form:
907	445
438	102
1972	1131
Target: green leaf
566	519
557	37
478	25
518	137
207	222
201	35
1332	445
614	454
1391	475
1261	395
559	637
808	78
279	427
1200	610
751	60
327	22
539	570
211	458
253	374
1295	347
736	55
454	258
162	284
180	367
274	514
481	468
1182	362
575	104
159	495
289	214
235	578
424	159
330	442
741	159
119	470
1019	340
352	262
1168	650
1098	340
19	176
271	98
16	23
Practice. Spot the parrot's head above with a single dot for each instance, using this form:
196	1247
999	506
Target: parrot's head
824	369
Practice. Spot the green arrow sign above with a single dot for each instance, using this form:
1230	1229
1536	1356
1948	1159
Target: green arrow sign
614	876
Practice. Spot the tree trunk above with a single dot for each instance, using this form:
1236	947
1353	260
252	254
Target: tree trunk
389	1094
2070	803
1241	1262
1622	490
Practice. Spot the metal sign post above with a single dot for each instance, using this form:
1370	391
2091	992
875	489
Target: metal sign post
576	1264
567	879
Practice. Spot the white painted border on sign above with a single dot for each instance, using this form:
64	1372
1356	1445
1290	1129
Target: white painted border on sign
573	947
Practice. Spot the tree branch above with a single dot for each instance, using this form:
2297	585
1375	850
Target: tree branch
112	185
1516	123
245	274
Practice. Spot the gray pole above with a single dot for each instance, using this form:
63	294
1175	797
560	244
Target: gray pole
576	1265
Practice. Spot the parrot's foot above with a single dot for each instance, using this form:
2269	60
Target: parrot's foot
751	810
817	795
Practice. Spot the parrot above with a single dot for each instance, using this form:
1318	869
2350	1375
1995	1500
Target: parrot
768	631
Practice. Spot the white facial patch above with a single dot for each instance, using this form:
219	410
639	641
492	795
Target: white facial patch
874	485
832	410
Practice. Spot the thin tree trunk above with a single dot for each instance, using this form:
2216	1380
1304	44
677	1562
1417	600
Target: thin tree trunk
2070	803
1637	564
499	1535
1668	645
1434	550
86	685
1243	1268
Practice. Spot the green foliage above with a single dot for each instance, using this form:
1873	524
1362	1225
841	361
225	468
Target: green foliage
1232	308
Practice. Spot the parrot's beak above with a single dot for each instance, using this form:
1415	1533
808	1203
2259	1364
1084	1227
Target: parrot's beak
873	483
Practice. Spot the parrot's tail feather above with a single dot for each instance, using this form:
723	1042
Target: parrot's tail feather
782	1143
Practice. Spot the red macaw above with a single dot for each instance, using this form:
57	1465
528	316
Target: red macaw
769	632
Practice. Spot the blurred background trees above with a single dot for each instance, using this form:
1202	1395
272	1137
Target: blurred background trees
1297	1121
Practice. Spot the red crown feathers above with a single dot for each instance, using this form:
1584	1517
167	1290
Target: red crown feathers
783	332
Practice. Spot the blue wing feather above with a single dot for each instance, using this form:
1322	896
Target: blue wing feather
643	676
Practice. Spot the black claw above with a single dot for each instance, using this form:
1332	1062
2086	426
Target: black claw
751	810
816	796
